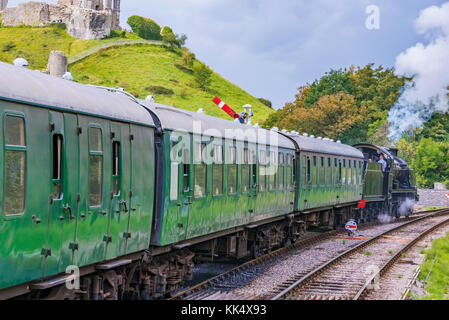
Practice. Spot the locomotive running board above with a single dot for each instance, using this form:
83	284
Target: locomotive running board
113	264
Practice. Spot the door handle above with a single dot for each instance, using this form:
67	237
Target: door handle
68	208
123	203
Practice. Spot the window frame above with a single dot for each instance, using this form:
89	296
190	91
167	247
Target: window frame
117	176
218	161
15	148
61	164
95	153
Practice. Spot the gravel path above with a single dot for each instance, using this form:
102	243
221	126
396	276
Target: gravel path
286	268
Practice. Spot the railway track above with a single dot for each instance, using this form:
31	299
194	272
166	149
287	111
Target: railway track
350	275
221	286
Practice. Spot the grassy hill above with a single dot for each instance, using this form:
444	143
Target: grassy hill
141	69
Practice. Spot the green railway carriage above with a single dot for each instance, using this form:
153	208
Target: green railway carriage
330	179
77	175
219	176
133	192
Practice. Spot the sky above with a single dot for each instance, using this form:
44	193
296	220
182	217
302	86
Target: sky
270	48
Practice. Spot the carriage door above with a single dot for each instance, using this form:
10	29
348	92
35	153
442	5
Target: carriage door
340	177
186	191
253	180
120	188
64	190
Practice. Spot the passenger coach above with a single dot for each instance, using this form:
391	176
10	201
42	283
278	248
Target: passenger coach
133	193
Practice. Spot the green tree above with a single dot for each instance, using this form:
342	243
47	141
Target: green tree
172	40
266	102
431	162
374	91
202	76
145	28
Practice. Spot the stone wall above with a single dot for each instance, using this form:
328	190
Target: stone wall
85	19
3	4
89	24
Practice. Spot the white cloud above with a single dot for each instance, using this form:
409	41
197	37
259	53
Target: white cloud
429	64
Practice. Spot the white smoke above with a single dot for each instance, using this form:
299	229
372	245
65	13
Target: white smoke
429	64
385	218
407	207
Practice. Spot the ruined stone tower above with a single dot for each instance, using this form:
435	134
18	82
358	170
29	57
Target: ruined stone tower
3	4
85	19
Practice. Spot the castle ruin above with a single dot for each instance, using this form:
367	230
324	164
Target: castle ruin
85	19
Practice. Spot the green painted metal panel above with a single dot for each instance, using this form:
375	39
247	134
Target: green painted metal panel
93	223
23	239
118	212
142	188
61	221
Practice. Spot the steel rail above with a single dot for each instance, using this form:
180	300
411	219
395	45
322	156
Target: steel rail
387	265
300	243
308	277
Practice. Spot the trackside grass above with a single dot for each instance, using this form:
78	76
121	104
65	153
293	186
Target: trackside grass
436	268
141	69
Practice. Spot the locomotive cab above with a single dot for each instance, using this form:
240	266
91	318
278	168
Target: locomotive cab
398	192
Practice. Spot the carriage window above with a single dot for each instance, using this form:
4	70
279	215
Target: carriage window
217	171
322	182
291	176
245	172
309	173
262	157
95	166
232	171
281	171
57	167
116	167
339	172
200	170
281	176
174	181
245	178
186	159
262	175
329	172
246	156
14	166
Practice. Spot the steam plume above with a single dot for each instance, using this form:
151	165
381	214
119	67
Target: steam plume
429	64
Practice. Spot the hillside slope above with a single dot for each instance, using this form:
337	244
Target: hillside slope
141	69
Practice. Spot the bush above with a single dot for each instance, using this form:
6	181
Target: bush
187	57
202	76
184	69
8	46
266	102
160	90
166	30
59	25
116	34
145	28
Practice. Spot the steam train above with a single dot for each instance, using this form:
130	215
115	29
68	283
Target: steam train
127	194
